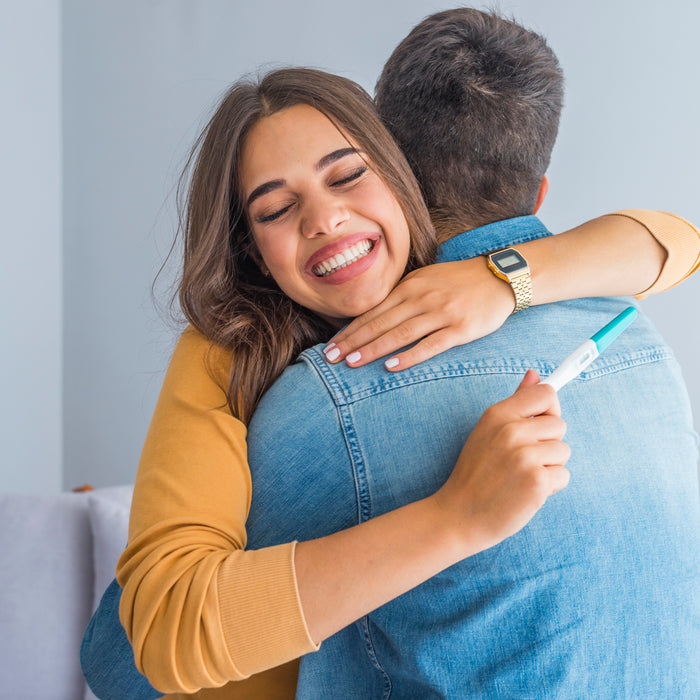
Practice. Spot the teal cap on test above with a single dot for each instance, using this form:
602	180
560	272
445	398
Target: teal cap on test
608	333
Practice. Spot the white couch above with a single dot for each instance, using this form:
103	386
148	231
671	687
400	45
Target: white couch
57	555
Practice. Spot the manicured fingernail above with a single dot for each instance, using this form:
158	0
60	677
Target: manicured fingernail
333	354
353	357
328	347
391	362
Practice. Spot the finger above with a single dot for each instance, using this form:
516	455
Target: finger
544	427
368	318
358	337
532	401
399	336
547	453
562	454
432	344
413	295
530	379
557	478
526	432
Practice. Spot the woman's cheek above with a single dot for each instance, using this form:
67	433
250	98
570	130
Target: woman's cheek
277	256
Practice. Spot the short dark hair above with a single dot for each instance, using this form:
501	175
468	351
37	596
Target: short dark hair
473	100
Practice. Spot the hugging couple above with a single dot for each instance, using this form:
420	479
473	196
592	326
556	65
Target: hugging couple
309	521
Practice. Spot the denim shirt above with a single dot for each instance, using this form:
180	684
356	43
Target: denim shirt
597	597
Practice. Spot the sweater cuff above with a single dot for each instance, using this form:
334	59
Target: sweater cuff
261	615
679	238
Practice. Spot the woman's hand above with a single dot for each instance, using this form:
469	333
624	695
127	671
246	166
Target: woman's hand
511	463
440	305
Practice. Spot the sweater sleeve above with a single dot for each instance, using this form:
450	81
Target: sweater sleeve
679	238
199	609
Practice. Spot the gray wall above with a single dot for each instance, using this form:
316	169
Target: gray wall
30	255
138	80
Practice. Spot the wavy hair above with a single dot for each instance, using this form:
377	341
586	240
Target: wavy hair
222	291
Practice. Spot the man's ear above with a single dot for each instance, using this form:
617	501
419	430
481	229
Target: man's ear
544	188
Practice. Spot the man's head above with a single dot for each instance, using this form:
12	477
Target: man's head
474	102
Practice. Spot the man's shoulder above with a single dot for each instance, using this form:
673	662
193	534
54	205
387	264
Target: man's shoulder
538	338
300	394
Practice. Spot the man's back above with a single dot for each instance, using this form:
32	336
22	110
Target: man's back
596	597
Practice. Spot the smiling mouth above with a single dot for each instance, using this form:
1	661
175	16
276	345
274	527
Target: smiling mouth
344	258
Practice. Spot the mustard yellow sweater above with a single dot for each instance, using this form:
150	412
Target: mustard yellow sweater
200	609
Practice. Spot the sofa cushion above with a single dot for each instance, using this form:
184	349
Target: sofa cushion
59	554
109	521
46	594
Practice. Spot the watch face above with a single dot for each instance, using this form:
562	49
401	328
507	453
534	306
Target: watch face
508	260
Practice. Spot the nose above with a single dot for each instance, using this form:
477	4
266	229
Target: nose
323	214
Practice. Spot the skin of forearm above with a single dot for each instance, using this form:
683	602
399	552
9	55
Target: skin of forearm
609	256
395	552
499	482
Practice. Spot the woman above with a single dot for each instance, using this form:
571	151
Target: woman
199	609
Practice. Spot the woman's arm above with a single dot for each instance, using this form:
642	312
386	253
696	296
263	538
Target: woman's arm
497	486
632	252
628	253
187	539
200	610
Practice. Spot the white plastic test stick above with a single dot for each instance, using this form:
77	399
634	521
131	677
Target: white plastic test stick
580	358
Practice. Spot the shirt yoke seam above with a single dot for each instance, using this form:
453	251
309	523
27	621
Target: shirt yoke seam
344	396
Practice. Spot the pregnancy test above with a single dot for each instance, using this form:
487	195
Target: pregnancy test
580	358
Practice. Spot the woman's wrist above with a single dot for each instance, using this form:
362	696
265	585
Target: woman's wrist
609	256
456	532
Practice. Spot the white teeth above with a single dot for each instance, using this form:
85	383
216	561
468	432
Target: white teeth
343	259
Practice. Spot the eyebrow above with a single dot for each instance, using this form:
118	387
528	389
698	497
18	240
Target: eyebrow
264	189
327	160
336	155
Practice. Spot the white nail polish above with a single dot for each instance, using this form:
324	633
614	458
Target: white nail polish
328	347
391	362
332	354
353	357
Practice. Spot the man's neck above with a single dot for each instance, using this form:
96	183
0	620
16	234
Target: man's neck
449	229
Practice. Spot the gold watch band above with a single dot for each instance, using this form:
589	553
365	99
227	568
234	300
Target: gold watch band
522	288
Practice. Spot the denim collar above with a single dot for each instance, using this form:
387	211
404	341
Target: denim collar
484	239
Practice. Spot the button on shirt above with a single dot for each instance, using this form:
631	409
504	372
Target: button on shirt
597	597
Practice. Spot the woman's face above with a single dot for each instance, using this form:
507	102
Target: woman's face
329	230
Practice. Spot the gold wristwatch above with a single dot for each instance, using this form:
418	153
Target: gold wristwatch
509	265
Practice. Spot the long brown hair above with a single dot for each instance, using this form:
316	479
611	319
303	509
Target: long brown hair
222	291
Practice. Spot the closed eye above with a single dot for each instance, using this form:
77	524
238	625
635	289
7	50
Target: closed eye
277	214
354	175
274	215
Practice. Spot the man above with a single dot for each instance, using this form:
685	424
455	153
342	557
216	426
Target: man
597	596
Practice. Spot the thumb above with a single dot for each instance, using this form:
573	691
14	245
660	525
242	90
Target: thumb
533	398
531	377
